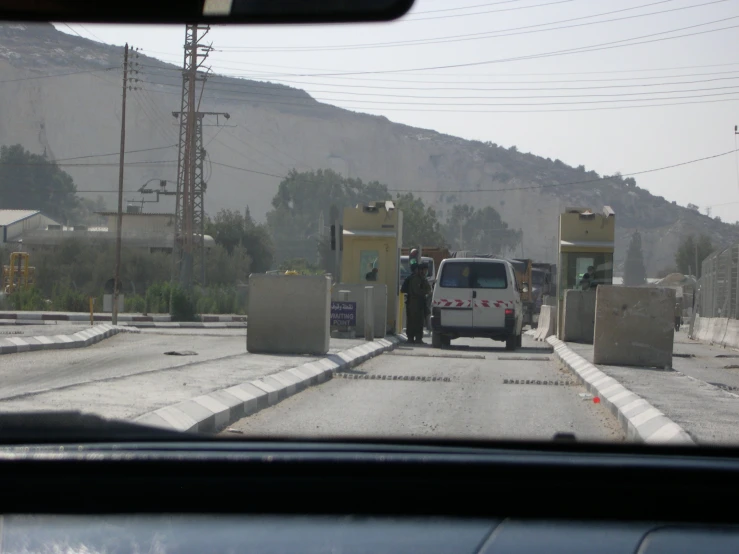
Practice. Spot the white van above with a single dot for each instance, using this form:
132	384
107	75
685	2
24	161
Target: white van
476	297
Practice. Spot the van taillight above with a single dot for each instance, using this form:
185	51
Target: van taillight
508	311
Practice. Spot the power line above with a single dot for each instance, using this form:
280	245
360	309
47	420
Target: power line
56	75
101	164
75	32
565	110
299	94
253	83
114	153
249	170
469	88
318	105
466	7
511	31
588	181
582	49
546	4
422	97
91	33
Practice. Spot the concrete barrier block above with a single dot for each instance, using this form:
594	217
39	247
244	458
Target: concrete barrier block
634	326
720	326
379	303
547	323
579	316
289	314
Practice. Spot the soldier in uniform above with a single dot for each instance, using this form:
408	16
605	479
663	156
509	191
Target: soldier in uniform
418	289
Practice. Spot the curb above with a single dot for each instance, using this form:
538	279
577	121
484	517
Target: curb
87	337
160	318
641	421
210	413
185	325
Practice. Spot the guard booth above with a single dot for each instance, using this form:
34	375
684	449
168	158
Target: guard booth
586	240
372	237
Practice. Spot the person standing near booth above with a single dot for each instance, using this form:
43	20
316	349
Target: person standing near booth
418	289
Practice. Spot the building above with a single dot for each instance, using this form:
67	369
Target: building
14	224
151	231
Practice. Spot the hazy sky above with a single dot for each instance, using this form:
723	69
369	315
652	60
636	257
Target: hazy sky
604	109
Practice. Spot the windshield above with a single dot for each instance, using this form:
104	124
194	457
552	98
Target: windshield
193	215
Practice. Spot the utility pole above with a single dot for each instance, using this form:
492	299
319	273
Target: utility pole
117	277
696	259
127	68
197	189
187	163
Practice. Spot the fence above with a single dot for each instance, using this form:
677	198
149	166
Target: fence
719	284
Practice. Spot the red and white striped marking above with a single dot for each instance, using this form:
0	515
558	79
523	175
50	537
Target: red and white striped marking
493	304
452	303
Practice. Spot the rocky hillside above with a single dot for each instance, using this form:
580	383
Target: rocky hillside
273	128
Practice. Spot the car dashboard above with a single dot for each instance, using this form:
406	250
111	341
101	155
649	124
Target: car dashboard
334	497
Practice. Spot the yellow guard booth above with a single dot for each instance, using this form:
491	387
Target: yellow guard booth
586	239
372	239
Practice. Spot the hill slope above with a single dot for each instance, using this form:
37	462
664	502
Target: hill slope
273	128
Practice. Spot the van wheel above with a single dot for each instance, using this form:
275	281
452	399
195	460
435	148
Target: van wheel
445	341
511	342
436	339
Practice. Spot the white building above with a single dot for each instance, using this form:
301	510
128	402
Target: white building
16	223
151	231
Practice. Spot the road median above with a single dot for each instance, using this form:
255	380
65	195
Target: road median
212	412
80	339
641	421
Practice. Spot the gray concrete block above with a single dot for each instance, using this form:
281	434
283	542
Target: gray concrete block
641	421
634	326
379	303
271	389
235	405
289	314
175	418
154	419
578	322
205	417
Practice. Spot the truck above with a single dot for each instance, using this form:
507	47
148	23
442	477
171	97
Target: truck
544	279
436	253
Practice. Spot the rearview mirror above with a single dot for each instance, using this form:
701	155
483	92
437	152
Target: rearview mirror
205	11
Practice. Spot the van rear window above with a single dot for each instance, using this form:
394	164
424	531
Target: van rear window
456	276
490	276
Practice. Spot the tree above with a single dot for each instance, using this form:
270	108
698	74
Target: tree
231	230
31	182
634	271
420	223
482	231
688	250
301	199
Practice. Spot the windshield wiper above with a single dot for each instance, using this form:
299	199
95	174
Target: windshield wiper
74	426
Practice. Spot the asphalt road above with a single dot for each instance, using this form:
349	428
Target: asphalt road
129	374
468	399
122	355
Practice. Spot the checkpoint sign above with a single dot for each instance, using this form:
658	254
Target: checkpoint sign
343	314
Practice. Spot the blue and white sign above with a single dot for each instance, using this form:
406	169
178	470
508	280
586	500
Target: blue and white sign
343	314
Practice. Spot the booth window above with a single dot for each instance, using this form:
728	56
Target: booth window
368	263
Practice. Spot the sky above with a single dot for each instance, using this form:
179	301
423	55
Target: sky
617	86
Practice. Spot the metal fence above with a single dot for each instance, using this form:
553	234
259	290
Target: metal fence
719	284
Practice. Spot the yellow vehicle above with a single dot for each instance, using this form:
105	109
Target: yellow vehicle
18	275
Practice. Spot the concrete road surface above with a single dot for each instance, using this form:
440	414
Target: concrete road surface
130	374
473	403
122	355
